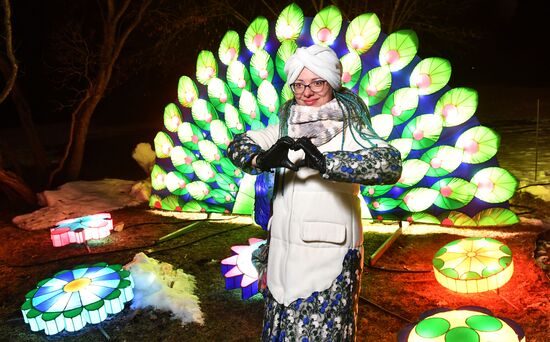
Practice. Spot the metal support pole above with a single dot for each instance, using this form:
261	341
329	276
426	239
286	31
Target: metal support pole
179	232
378	253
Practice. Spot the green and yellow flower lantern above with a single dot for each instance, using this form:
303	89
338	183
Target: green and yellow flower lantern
467	324
472	265
73	298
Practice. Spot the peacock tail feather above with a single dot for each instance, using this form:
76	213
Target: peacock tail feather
450	171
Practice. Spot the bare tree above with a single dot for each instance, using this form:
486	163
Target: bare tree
11	184
12	75
118	22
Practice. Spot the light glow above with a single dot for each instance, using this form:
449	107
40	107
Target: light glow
73	298
81	229
462	325
442	167
473	265
238	269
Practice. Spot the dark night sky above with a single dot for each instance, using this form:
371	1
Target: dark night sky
511	54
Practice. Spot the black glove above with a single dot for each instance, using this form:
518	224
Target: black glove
276	156
314	158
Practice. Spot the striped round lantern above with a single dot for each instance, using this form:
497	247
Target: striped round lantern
473	265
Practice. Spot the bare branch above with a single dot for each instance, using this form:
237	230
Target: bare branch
10	81
270	8
122	10
72	132
395	9
136	20
230	9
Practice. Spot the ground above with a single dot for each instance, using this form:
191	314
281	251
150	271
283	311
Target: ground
395	291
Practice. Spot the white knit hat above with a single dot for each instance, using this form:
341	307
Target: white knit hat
320	60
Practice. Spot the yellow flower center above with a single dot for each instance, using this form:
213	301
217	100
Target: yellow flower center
77	284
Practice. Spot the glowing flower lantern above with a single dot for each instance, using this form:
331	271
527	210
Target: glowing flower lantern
473	265
73	298
238	269
82	229
467	324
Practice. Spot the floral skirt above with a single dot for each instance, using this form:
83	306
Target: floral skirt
329	315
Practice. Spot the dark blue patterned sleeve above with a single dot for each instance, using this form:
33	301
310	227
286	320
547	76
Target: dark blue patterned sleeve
369	166
241	151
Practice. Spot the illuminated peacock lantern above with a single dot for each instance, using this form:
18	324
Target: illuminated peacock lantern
450	172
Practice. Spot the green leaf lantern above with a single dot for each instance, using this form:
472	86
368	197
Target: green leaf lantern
401	104
261	67
207	67
289	23
187	91
219	94
172	117
238	77
256	35
494	184
351	69
375	85
287	49
163	145
456	106
430	75
454	193
479	144
362	33
229	47
398	49
326	25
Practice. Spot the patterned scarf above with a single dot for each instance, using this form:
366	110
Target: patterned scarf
321	124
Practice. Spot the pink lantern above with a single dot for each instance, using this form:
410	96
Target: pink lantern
81	229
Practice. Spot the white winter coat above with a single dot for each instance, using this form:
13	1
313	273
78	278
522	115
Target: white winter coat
314	223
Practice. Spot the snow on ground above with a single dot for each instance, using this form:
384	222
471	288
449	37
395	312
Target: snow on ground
81	198
159	285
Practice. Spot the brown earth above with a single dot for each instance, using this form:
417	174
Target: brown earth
391	297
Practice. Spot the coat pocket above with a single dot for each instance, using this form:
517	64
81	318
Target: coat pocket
323	232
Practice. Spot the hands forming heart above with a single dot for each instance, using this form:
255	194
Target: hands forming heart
277	155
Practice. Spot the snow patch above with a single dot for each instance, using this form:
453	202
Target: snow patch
81	198
531	221
540	191
144	155
159	285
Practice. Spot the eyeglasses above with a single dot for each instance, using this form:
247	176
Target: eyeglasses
315	86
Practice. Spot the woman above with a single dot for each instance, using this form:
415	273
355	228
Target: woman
323	148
